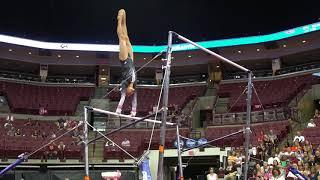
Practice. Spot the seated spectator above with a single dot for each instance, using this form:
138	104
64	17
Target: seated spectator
272	137
8	125
233	157
61	150
125	143
277	175
311	124
51	152
71	124
10	118
221	173
35	134
42	111
299	137
75	133
53	135
261	137
317	157
253	151
272	159
44	135
11	132
211	174
17	133
231	170
60	122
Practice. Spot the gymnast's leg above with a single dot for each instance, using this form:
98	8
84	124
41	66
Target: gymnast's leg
123	53
134	104
123	98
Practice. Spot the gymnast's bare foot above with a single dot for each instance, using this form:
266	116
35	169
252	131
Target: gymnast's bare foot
121	14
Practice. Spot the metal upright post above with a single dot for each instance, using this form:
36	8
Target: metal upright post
165	106
179	153
248	121
85	142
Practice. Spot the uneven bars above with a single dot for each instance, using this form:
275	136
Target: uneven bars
211	52
128	116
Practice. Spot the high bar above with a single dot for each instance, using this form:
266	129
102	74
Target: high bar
210	52
127	116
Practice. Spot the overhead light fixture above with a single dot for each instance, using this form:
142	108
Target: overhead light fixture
103	78
304	41
29	53
77	56
144	58
59	56
10	50
284	45
189	56
218	66
258	49
102	69
239	51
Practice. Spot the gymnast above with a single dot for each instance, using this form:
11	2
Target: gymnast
129	78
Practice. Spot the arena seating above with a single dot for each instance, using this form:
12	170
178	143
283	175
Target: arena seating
12	146
280	128
149	97
272	93
57	100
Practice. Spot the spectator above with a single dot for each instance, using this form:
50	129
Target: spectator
51	152
253	151
277	175
311	124
75	133
221	173
317	157
231	170
212	175
10	118
8	125
299	137
232	158
35	134
273	158
11	132
17	133
53	135
44	135
61	150
261	137
125	143
60	122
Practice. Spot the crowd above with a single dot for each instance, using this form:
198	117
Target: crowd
54	150
267	161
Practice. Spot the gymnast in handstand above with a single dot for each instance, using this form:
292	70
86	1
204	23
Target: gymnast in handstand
129	78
